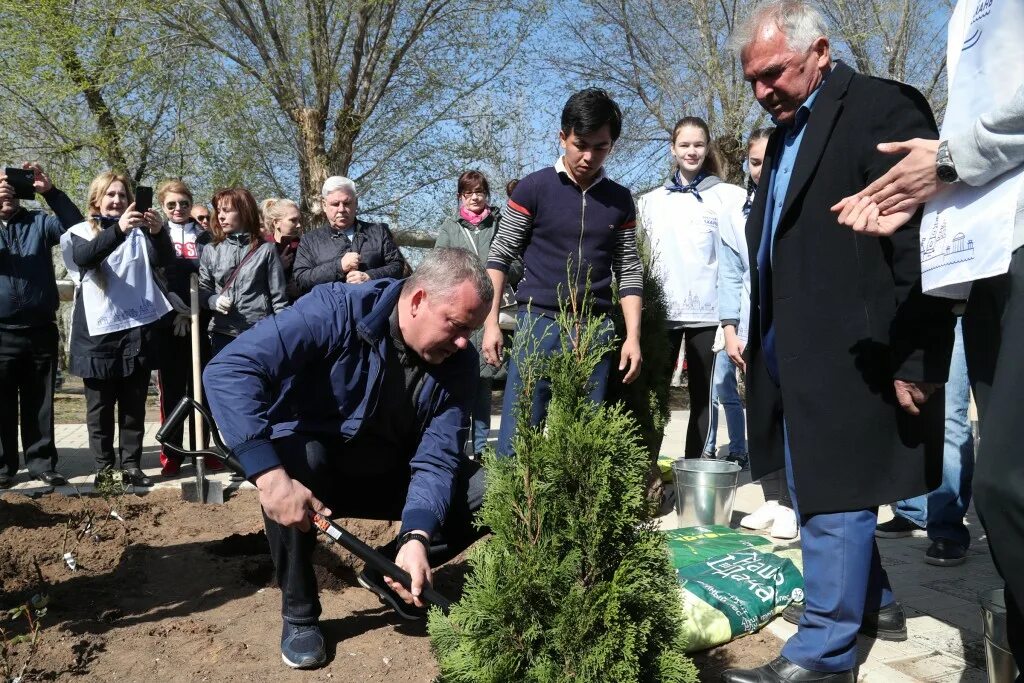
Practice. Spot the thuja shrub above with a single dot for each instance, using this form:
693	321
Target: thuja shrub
574	583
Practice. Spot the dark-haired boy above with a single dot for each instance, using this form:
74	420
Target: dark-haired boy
573	227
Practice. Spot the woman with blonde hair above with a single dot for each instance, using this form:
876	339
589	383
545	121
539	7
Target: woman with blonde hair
112	257
282	225
240	275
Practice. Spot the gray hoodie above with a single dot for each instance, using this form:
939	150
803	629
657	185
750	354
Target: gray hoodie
256	292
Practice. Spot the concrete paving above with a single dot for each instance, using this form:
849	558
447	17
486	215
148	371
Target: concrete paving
945	642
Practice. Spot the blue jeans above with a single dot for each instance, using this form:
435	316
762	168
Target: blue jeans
482	414
544	338
724	392
942	511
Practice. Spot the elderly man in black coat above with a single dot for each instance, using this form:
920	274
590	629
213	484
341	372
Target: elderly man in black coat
846	357
347	249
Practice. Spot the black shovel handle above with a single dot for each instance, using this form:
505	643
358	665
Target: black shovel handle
335	532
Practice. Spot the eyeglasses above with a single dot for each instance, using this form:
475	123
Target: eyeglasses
180	205
474	194
203	219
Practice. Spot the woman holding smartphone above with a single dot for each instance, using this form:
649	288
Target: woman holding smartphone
241	279
112	256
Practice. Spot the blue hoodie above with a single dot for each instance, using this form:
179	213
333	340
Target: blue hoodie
317	368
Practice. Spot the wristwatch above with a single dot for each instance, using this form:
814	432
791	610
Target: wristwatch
944	167
412	536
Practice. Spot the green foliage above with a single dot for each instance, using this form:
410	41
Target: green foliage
575	583
647	398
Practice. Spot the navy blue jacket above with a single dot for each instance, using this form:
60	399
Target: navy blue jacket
28	290
317	368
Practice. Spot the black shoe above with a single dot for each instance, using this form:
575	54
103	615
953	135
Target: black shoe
302	646
943	553
6	480
899	527
133	476
888	623
51	478
782	670
372	580
740	459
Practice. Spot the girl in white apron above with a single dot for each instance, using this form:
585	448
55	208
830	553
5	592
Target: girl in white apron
682	220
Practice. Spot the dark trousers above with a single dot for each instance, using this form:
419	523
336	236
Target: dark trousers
993	337
128	394
352	487
700	370
218	340
774	487
28	370
175	381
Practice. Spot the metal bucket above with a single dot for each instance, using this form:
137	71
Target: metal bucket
998	658
705	491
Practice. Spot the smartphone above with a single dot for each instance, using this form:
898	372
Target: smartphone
143	198
21	180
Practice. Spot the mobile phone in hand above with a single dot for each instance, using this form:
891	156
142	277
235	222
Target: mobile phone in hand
143	198
21	180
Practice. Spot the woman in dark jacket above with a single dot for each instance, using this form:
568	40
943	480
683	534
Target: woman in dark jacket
347	249
472	228
114	347
282	225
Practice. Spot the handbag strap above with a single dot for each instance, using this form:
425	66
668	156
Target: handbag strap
238	268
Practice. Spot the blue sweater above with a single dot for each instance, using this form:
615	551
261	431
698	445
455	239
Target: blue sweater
560	231
318	367
28	289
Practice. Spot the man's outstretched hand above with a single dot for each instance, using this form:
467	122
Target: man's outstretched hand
286	500
412	557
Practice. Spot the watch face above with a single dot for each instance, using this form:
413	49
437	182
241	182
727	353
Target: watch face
947	174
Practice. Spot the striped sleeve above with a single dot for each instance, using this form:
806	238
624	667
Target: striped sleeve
629	271
511	238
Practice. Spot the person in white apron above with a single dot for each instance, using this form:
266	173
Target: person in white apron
971	181
114	348
473	228
681	220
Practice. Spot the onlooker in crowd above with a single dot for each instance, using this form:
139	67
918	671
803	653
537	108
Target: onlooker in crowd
175	375
510	186
282	225
844	351
777	513
682	220
355	402
347	249
201	215
240	275
473	228
572	227
112	257
940	514
973	180
28	327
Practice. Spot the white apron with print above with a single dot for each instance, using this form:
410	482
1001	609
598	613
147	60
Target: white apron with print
123	294
967	232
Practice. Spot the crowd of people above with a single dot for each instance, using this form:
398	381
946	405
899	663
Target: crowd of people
349	384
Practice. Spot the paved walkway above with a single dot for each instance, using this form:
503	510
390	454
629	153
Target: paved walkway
945	645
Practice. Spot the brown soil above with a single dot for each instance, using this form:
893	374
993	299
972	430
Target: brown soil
185	592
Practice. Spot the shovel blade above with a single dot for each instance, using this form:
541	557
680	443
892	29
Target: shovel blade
212	492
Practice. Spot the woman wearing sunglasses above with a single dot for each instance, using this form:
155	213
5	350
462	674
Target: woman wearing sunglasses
175	376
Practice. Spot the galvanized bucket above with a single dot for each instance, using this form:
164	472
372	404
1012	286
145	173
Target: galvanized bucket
705	491
998	658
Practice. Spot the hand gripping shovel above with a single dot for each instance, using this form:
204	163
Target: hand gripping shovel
335	532
200	490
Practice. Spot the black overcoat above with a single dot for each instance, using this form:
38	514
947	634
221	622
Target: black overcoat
849	315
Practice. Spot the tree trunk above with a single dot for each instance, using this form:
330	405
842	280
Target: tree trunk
311	125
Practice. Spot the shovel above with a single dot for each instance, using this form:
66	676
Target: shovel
200	490
335	532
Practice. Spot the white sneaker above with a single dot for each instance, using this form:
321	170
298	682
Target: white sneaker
785	526
761	518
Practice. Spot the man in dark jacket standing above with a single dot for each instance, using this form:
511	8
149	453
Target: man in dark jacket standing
28	327
844	350
355	402
346	249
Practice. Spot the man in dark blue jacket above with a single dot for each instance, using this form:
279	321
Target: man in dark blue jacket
28	327
355	402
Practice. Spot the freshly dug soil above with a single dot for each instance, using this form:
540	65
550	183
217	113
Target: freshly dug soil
185	592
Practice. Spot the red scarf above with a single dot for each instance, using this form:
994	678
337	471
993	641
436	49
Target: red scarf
474	218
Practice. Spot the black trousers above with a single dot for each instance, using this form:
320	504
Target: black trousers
700	370
28	370
128	395
353	487
993	338
774	487
175	381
